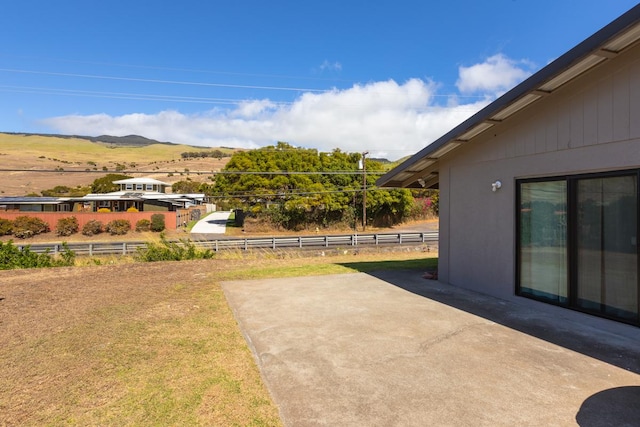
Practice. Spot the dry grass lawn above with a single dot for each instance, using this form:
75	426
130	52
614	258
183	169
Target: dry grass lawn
133	344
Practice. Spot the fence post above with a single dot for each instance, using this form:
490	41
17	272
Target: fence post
124	248
90	249
299	241
273	244
326	241
246	244
399	238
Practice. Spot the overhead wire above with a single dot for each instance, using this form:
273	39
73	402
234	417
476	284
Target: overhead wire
151	97
194	172
175	82
124	95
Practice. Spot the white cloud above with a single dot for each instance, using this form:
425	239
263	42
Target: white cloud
331	66
386	118
497	74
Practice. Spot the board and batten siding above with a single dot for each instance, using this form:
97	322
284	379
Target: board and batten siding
590	125
599	109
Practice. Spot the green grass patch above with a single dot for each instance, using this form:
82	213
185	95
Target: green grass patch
273	268
400	264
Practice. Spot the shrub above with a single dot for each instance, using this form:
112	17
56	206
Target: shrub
157	222
104	210
92	227
6	227
118	227
11	257
172	251
132	209
67	226
26	226
143	225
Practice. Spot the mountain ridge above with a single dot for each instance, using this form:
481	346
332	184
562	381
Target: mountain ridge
127	141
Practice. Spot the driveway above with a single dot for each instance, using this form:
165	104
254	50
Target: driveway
394	349
214	223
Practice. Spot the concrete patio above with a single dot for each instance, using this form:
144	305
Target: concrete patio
394	349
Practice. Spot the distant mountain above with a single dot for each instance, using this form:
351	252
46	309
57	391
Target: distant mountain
128	141
380	159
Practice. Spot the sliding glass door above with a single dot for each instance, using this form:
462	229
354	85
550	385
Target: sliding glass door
577	243
543	240
606	230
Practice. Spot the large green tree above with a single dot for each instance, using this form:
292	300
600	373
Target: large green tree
298	188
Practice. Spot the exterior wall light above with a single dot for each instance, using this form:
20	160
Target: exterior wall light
496	185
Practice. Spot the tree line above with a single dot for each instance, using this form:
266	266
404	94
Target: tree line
216	154
297	188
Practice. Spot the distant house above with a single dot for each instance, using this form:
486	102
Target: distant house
148	185
143	194
539	191
35	204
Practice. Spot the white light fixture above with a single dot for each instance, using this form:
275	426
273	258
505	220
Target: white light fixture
572	72
444	150
476	130
515	106
624	40
495	186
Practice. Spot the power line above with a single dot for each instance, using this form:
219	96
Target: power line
180	99
175	82
189	70
124	95
195	83
194	172
301	193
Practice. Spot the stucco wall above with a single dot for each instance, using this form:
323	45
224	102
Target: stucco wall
592	125
52	218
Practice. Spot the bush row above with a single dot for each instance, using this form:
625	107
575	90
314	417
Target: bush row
24	227
12	257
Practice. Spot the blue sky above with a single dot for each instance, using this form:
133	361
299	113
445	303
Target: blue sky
387	77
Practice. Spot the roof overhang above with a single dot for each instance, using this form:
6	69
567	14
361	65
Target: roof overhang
141	181
420	170
33	200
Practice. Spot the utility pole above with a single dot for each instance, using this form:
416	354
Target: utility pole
363	166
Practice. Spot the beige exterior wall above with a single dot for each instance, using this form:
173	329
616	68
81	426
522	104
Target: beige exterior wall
589	126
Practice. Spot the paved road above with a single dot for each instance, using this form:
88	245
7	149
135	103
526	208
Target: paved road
214	223
394	349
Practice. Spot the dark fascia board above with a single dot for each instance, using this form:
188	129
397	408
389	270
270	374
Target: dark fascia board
555	68
19	200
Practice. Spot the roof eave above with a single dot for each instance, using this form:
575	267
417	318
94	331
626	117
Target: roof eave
524	93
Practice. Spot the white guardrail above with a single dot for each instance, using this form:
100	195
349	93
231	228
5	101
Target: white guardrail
300	242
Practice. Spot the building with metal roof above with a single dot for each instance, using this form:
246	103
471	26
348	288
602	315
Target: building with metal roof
539	190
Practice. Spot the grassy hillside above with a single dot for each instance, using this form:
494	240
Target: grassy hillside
80	161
